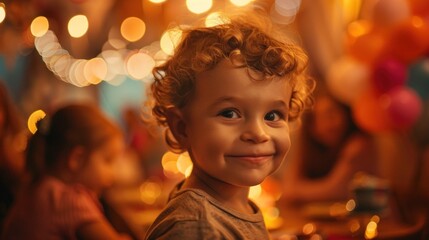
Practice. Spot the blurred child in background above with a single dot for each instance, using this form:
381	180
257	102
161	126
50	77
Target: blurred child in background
71	159
13	137
331	150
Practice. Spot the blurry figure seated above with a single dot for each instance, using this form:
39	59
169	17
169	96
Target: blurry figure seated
332	150
71	158
13	137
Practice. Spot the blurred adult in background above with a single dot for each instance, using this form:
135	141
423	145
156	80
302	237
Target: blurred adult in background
71	158
13	136
331	150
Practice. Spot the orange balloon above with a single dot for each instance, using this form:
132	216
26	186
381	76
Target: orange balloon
419	7
370	113
409	40
364	42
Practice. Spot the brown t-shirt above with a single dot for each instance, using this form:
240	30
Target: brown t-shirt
193	214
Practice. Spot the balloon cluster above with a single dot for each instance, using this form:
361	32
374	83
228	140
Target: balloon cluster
384	75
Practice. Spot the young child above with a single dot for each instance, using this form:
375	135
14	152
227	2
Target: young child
71	160
12	145
226	97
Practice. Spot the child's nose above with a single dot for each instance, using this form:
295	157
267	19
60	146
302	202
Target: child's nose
255	131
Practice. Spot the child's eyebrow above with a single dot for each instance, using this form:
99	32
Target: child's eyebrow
281	104
222	100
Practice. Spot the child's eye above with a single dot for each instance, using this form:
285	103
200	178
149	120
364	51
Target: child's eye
229	114
273	116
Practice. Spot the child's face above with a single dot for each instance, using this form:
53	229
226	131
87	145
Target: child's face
236	128
98	172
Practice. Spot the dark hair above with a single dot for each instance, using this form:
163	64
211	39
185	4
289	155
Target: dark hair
13	123
319	159
70	126
250	39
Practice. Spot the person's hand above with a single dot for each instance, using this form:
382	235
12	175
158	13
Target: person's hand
354	147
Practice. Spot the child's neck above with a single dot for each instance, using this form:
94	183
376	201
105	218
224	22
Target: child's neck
229	195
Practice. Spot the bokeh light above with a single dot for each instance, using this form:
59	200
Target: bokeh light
2	12
95	70
215	18
139	65
157	1
184	164
255	191
240	3
33	119
39	26
149	192
78	26
199	6
133	29
170	39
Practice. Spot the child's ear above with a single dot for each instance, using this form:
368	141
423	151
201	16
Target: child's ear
76	158
177	125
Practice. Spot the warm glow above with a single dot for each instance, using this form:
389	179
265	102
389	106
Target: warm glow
240	3
95	70
184	164
417	21
358	28
76	74
308	229
350	205
169	163
139	65
215	18
2	12
133	29
157	1
351	9
149	192
115	66
169	40
354	226
255	191
33	119
39	26
199	6
78	26
371	230
287	8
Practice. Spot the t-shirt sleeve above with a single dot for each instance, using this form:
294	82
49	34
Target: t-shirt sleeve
190	230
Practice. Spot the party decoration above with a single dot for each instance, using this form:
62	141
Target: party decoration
419	7
419	78
347	78
370	112
409	40
364	42
404	107
389	12
389	74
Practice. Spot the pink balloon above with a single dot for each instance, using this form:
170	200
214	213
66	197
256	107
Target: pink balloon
404	107
389	74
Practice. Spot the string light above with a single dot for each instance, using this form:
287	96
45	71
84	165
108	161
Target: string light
133	29
39	26
199	6
78	26
2	12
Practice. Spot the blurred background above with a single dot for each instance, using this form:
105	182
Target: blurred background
371	55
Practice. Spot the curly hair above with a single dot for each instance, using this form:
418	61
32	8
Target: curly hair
202	48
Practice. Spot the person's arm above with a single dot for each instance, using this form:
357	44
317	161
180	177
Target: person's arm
357	155
99	230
